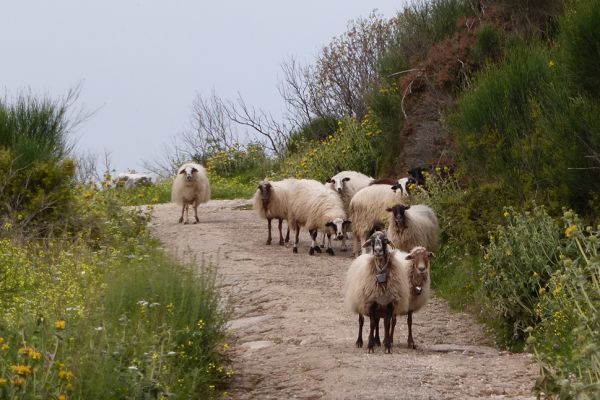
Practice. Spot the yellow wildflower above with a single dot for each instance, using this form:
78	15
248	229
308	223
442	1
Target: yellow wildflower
35	355
570	230
23	351
1	340
62	397
506	214
18	381
3	381
65	375
5	347
551	64
21	370
542	291
60	324
557	290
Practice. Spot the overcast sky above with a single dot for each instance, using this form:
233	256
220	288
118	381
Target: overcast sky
141	62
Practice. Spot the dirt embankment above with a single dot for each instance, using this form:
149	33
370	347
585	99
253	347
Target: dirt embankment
292	337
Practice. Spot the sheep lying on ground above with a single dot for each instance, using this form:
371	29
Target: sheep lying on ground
271	201
376	285
412	226
190	187
315	207
367	211
415	267
347	184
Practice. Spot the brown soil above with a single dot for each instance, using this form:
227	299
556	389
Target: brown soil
292	337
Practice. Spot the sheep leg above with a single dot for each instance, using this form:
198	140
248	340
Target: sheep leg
377	339
361	322
313	243
269	226
387	338
281	233
373	324
344	247
323	240
393	328
196	213
187	214
295	250
356	245
182	210
287	235
411	342
329	249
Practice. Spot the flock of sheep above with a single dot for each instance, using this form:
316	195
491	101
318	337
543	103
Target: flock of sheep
393	242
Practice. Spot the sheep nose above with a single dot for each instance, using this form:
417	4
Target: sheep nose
339	190
340	236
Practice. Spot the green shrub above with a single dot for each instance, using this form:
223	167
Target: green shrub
350	148
580	41
566	340
489	44
518	262
36	200
245	162
318	129
422	24
34	129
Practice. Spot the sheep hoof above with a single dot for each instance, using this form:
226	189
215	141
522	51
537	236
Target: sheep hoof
295	251
281	243
181	220
412	345
186	222
359	343
370	349
268	242
330	251
287	240
388	350
197	220
311	251
317	249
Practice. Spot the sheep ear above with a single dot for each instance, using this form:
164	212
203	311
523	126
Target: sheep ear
347	222
409	257
182	171
194	170
331	181
346	179
367	243
330	224
389	209
431	254
406	207
395	187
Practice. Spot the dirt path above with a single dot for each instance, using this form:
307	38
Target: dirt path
294	339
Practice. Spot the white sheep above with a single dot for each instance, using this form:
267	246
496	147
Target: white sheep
347	184
190	186
412	226
367	211
271	201
376	286
315	207
415	266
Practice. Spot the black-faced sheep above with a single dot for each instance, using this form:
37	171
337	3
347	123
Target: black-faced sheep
315	207
376	286
367	211
271	201
190	186
415	267
412	226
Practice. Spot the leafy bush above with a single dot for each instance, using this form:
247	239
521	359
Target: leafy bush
580	39
420	25
489	44
517	263
36	200
566	340
318	129
245	162
35	129
351	147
